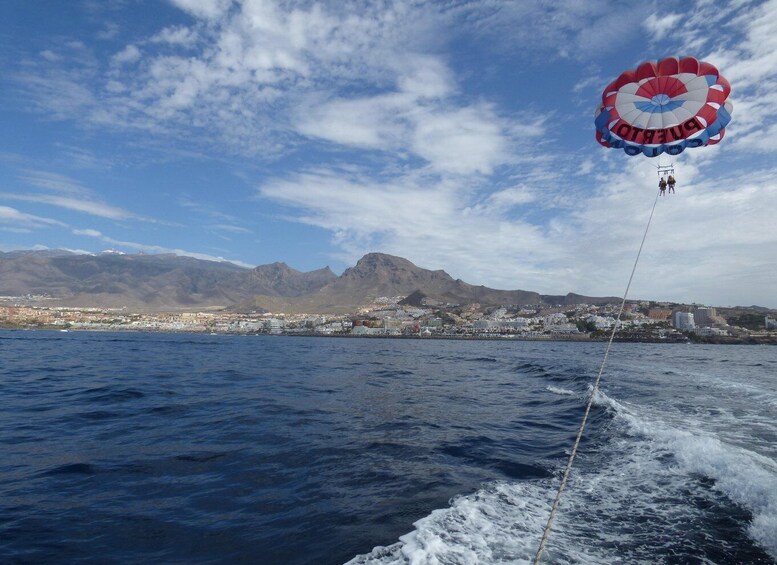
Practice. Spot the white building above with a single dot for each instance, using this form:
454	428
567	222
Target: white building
563	329
498	314
515	323
683	321
706	331
554	319
365	330
601	322
275	325
246	326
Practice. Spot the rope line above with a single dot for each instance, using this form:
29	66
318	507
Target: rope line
594	390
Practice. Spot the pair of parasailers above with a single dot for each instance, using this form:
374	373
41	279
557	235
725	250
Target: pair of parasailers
663	183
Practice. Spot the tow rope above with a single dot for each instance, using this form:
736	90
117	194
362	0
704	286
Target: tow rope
594	390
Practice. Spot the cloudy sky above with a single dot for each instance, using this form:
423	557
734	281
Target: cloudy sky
457	134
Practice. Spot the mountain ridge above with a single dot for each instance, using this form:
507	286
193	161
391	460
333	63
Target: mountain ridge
173	282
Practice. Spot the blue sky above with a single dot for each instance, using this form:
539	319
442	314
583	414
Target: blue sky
458	135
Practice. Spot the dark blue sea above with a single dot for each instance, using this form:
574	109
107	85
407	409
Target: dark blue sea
178	448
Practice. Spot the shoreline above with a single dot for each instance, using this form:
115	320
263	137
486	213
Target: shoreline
585	338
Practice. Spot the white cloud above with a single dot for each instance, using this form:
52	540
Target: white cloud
536	30
109	31
53	181
156	248
130	54
10	215
588	82
257	62
49	55
217	220
88	207
761	140
424	77
660	26
230	228
69	194
461	141
87	232
60	94
207	9
586	167
176	35
511	197
372	123
453	140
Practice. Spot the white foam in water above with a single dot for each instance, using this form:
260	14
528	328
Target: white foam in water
501	523
745	477
756	392
624	506
560	391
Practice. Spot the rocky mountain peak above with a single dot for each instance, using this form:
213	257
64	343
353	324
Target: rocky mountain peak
373	262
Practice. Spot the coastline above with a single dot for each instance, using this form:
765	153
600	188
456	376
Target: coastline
583	338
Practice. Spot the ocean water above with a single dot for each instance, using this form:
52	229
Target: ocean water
176	448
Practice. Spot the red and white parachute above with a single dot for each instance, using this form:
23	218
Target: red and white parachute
664	107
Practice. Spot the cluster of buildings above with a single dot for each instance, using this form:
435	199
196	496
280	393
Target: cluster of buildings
388	316
700	320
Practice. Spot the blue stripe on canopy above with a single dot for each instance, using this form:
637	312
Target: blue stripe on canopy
653	108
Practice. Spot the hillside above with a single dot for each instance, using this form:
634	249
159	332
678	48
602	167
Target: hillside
167	282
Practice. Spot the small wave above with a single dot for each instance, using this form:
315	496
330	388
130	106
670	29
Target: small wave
480	452
758	393
96	415
480	359
532	369
169	409
560	391
203	457
73	469
109	394
485	360
601	399
392	373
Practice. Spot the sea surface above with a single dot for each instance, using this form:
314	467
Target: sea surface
178	448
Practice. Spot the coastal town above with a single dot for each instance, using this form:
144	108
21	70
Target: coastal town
394	317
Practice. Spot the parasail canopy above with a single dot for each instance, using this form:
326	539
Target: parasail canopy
664	107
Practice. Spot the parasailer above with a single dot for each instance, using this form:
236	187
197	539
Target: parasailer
664	106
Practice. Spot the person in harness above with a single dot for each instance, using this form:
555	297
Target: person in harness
662	186
670	182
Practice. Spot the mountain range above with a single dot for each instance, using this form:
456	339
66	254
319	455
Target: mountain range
144	282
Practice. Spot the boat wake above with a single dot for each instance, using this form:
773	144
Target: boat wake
629	496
